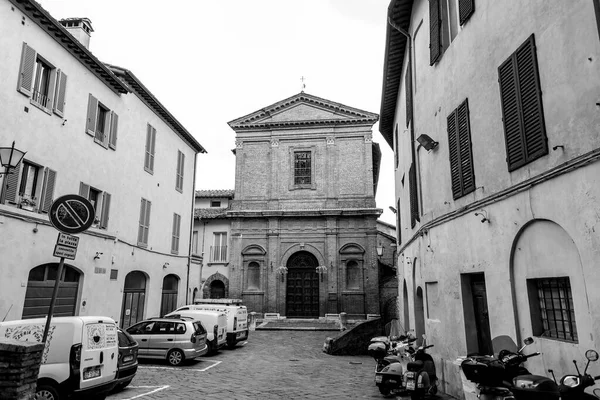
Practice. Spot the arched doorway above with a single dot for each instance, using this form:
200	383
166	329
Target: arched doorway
40	286
217	289
302	298
134	296
419	315
169	294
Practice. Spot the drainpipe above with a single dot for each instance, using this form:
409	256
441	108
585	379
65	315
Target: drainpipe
189	261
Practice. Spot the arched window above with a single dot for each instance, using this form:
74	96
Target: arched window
352	275
253	276
217	289
40	286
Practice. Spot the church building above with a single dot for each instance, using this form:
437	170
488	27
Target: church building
303	219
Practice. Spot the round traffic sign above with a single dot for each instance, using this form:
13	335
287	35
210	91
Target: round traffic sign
72	213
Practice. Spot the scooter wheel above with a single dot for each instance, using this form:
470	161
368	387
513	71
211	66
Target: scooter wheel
384	390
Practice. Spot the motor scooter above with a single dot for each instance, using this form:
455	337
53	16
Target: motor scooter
572	386
390	365
420	378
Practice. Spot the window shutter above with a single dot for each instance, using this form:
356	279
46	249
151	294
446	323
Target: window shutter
60	93
397	147
465	9
435	23
148	147
48	191
12	183
91	115
522	111
414	198
142	222
147	220
398	221
152	150
454	155
105	211
179	176
408	86
465	149
28	57
173	233
84	190
114	124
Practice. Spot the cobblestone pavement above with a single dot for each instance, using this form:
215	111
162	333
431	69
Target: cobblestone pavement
271	365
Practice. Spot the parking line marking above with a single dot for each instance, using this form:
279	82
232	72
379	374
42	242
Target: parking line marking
158	389
182	369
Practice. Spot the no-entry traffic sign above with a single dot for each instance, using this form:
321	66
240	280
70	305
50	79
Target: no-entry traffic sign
72	214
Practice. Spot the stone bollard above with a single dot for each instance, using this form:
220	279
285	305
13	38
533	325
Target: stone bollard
343	321
252	321
19	368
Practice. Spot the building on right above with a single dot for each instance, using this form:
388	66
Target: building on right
493	112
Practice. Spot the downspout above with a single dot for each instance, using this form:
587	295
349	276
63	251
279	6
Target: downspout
202	263
189	263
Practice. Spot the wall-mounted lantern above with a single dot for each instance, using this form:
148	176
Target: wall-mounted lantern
282	271
427	142
321	270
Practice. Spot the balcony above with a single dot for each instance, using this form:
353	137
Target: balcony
218	254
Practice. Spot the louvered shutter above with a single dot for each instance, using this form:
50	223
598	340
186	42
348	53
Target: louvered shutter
84	190
91	115
397	147
408	86
28	57
522	111
174	235
454	155
152	149
12	184
435	23
414	197
60	93
48	191
142	222
465	149
114	124
179	177
105	210
398	221
465	9
147	219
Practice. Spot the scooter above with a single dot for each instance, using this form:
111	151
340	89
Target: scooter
420	378
572	386
390	365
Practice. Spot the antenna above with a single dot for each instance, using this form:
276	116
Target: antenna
575	362
302	79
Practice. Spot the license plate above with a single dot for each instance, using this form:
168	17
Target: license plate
128	358
92	372
410	374
378	378
410	385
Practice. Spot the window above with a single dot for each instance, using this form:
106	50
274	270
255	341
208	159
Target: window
444	18
144	226
352	276
176	232
552	311
219	249
433	304
29	181
102	123
302	168
101	202
44	84
253	276
215	203
414	197
30	186
150	148
179	177
461	154
522	111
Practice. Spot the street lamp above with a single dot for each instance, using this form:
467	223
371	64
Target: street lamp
9	158
380	249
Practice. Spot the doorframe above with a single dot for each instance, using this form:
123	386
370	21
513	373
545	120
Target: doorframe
472	334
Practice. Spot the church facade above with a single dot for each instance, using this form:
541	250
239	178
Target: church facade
303	219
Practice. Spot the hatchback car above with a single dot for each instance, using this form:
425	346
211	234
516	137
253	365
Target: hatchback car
127	364
172	339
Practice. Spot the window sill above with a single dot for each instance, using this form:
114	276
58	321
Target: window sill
224	263
255	292
304	187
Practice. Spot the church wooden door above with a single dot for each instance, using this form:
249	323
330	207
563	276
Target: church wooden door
302	286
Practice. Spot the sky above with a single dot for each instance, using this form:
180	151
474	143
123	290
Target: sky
212	61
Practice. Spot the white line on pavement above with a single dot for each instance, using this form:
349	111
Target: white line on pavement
158	389
182	369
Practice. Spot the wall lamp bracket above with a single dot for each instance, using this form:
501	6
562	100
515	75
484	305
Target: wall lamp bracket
427	142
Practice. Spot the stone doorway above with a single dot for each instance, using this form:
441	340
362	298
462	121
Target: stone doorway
302	290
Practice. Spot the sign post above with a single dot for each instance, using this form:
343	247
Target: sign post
69	214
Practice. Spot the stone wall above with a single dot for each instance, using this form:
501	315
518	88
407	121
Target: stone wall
19	368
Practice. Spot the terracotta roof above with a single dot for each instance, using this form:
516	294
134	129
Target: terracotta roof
152	102
215	193
210	213
399	11
59	33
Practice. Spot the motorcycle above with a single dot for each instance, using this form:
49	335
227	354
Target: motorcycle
420	377
391	357
572	386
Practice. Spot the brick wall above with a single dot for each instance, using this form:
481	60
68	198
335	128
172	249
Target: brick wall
19	368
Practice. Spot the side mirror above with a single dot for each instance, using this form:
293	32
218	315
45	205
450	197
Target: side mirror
591	355
528	341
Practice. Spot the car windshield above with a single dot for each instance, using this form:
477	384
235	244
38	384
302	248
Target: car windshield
125	339
199	329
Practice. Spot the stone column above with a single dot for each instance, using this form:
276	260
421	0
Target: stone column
19	368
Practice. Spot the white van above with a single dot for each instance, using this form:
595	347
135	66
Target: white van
237	317
80	356
214	322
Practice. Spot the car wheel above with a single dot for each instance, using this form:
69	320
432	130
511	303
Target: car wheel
175	357
123	385
46	392
384	390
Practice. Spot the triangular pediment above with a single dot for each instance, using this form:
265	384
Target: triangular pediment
303	109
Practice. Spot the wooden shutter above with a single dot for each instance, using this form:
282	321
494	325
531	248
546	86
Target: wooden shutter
397	147
179	177
150	143
48	190
12	183
60	93
105	210
147	221
398	221
408	86
91	115
28	58
461	153
84	190
153	148
142	222
454	155
414	197
176	231
522	110
465	9
435	39
114	124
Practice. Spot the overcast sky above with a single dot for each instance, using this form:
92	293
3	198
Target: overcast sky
212	61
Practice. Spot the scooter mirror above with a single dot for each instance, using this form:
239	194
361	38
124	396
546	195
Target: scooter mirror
597	393
528	341
591	355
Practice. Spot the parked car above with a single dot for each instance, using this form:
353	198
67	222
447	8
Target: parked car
127	363
214	321
171	339
80	358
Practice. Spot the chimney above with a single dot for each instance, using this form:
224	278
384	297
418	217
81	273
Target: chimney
80	28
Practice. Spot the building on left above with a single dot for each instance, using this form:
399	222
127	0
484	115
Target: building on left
92	129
